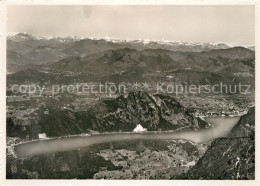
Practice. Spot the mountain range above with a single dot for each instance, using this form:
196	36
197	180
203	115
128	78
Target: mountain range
44	50
230	66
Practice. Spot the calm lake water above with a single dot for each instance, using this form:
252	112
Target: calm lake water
222	125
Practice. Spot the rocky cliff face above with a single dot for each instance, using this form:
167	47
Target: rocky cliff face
152	112
246	126
232	157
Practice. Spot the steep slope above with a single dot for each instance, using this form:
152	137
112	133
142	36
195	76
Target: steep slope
245	127
44	54
152	112
18	47
104	63
16	61
36	50
232	157
89	46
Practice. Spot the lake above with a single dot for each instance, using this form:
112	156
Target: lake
221	127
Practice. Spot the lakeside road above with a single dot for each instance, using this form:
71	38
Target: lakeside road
222	125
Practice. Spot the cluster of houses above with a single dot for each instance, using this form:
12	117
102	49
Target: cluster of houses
218	113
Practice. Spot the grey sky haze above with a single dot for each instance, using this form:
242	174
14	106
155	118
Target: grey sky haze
228	24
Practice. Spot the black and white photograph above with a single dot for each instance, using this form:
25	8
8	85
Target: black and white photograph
130	92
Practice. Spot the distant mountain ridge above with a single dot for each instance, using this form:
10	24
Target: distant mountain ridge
150	43
42	50
107	60
160	59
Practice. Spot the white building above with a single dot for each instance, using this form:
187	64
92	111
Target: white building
42	136
139	128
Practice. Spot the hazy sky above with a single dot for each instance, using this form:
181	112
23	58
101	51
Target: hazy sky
228	24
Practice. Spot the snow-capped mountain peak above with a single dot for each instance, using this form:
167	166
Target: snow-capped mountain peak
138	43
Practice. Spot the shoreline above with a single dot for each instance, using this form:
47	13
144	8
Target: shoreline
74	142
